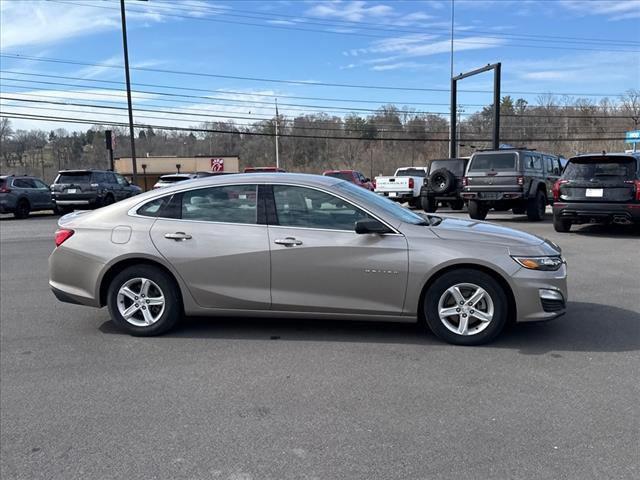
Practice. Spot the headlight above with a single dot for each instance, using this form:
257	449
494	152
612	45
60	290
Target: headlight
540	263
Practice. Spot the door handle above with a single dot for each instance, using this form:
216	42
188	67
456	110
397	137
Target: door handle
178	236
288	242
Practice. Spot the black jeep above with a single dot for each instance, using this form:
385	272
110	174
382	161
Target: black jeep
444	184
516	179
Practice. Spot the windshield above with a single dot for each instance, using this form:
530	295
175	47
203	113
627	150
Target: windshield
493	161
457	168
388	206
411	172
600	168
74	177
341	175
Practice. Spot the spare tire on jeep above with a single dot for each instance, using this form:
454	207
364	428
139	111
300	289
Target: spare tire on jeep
442	181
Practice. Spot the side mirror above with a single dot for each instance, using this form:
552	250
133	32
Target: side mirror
370	225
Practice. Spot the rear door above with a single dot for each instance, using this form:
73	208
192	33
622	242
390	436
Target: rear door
217	245
74	185
602	179
320	264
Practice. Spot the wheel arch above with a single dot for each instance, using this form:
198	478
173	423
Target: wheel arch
121	265
497	276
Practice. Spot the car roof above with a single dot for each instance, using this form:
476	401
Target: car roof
84	170
605	155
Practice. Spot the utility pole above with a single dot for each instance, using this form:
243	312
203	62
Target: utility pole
277	141
134	167
452	133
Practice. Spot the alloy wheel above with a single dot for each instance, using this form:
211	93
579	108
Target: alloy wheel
141	302
465	309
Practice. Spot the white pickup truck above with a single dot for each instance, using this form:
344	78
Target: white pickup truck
404	186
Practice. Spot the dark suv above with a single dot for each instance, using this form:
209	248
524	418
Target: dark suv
598	188
90	189
510	179
444	184
22	194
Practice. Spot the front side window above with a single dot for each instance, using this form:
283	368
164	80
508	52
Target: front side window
228	204
39	184
121	181
310	208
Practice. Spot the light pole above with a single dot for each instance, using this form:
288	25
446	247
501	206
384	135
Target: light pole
144	174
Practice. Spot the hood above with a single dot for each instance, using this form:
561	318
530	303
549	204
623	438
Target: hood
485	232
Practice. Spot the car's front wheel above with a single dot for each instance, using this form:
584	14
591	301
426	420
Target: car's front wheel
144	300
561	225
466	307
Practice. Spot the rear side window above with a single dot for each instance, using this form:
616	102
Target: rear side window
74	177
532	162
23	183
600	169
227	204
153	208
341	175
493	161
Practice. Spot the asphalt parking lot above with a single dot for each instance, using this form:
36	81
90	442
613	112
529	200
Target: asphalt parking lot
283	399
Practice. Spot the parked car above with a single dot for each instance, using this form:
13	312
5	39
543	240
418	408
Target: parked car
403	186
515	179
311	246
444	184
90	189
171	178
352	176
263	170
598	188
23	194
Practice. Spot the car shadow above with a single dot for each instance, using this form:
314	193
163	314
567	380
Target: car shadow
587	327
607	231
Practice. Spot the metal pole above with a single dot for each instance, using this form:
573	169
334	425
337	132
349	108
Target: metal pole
453	107
496	106
277	146
453	150
134	167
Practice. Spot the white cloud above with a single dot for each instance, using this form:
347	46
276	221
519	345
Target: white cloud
547	75
353	11
614	10
396	66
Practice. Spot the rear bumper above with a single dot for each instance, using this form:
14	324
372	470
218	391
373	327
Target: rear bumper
594	211
397	195
63	199
492	196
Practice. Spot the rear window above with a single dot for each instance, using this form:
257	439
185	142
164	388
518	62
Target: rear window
493	161
74	177
457	168
341	175
411	172
600	168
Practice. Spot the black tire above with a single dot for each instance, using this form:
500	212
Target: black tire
441	181
466	276
172	307
536	207
561	225
414	203
477	210
108	200
518	210
23	208
457	205
429	204
59	210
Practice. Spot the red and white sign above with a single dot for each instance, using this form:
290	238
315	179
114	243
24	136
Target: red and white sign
217	164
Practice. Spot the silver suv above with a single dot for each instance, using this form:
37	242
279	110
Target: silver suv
520	180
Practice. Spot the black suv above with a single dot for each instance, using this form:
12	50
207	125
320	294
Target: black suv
22	194
90	189
515	179
598	188
444	184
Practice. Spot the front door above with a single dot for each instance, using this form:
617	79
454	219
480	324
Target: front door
217	246
319	263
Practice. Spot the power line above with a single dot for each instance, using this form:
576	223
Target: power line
290	82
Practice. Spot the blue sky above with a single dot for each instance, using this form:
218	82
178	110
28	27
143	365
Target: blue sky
564	46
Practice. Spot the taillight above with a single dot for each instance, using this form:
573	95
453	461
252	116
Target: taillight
556	189
411	183
520	180
4	189
62	235
465	181
636	184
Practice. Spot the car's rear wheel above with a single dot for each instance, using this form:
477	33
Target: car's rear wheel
144	300
108	200
561	225
466	307
429	204
536	207
22	209
477	210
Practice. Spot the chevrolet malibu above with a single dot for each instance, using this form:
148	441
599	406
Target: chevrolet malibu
303	246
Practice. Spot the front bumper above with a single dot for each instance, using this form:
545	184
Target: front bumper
540	296
597	212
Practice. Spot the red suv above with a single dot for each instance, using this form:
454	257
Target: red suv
352	176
